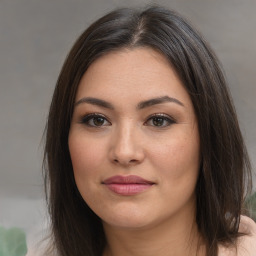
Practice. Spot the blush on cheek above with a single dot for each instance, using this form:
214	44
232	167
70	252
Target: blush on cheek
85	160
83	151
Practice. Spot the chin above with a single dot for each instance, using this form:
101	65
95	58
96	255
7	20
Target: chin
128	219
127	223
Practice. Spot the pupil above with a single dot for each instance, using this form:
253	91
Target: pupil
98	121
158	121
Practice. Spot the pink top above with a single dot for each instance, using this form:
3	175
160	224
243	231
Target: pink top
246	245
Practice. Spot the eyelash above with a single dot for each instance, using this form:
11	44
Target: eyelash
87	118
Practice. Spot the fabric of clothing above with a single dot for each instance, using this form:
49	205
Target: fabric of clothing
246	245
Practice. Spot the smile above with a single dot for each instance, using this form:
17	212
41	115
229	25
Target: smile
127	185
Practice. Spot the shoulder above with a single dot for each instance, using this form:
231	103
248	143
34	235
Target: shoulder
246	245
247	225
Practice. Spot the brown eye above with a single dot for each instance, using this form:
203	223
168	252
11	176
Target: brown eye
98	121
94	120
160	121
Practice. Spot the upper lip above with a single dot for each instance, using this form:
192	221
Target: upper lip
131	179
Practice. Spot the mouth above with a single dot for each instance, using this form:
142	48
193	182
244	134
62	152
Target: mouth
127	185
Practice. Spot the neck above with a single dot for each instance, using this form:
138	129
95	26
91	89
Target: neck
174	237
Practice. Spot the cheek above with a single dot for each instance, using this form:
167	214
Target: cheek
86	155
179	160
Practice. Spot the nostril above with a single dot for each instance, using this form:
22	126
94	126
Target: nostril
125	162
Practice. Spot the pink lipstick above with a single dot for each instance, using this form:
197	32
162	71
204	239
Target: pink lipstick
127	185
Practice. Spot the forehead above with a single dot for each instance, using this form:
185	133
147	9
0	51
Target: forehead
133	74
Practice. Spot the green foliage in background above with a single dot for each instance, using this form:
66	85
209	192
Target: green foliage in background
251	205
12	242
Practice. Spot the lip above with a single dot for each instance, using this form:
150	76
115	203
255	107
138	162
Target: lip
127	185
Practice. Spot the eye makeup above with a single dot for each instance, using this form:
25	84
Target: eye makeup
157	120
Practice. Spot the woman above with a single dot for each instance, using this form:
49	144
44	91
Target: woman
144	155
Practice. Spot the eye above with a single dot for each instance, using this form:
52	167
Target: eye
160	120
95	120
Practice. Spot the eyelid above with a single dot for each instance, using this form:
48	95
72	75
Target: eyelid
162	115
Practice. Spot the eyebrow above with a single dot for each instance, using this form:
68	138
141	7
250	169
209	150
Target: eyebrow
141	105
159	100
94	101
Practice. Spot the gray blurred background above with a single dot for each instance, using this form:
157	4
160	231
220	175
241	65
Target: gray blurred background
35	37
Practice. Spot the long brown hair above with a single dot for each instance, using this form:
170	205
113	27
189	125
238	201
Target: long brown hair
225	174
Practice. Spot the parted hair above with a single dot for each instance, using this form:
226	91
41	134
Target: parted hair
225	173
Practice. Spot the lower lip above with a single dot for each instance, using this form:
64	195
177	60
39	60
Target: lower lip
128	189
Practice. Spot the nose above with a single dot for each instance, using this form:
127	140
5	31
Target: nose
126	146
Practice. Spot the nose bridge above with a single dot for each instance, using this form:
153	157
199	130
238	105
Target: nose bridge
125	138
126	143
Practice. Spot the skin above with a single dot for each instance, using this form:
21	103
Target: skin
128	141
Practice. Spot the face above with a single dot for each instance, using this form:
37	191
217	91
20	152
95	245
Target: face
134	141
